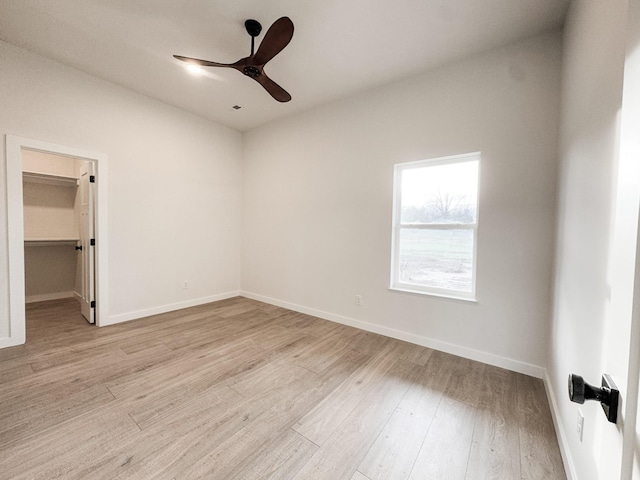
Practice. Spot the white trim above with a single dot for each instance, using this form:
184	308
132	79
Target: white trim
561	434
49	179
147	312
15	229
477	355
45	297
409	289
15	244
448	160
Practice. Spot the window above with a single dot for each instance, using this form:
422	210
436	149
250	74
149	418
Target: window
435	222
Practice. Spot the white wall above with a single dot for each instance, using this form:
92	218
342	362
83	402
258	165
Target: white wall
174	183
594	40
318	201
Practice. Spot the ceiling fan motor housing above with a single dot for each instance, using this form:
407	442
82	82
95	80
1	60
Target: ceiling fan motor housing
253	27
251	71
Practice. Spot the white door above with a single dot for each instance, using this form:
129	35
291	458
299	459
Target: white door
87	241
621	345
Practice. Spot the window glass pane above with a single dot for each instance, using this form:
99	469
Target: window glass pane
436	258
440	193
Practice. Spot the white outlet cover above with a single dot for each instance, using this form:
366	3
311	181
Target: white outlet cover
580	425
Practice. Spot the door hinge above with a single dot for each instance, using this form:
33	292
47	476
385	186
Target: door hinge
92	242
92	179
93	304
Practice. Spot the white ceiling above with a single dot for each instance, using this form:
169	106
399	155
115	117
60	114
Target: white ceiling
339	47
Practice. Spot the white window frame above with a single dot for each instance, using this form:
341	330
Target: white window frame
395	283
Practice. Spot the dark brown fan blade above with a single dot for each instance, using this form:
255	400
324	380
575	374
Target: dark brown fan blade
275	90
277	37
204	63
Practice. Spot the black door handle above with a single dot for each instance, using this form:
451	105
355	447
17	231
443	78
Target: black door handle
608	395
78	247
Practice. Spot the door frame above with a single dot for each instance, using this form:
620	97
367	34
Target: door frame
15	229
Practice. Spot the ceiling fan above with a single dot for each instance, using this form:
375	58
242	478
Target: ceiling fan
277	37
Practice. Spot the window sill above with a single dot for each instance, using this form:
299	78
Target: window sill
434	294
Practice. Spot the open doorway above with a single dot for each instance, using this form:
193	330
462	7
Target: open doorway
15	148
58	213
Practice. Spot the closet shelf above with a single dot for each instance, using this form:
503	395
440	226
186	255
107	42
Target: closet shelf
50	242
48	179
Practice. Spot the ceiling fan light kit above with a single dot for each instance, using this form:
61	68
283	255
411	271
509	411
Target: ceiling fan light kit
277	37
194	69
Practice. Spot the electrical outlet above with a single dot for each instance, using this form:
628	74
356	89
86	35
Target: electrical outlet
359	300
580	425
185	285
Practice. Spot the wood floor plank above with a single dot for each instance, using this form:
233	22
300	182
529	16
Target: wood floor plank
285	456
31	420
76	376
395	450
148	408
283	407
241	389
359	476
413	353
321	422
368	343
207	336
271	375
445	451
338	458
307	324
235	309
318	355
173	373
465	381
74	355
495	448
58	451
539	452
11	353
14	370
49	386
199	425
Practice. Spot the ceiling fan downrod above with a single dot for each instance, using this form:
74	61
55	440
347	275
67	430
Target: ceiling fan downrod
253	29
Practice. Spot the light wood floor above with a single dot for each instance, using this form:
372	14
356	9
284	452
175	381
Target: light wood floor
243	390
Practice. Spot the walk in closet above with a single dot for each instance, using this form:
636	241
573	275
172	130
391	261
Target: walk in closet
52	203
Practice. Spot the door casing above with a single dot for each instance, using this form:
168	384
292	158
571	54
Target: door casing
15	229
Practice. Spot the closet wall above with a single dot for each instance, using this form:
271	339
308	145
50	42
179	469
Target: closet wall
51	227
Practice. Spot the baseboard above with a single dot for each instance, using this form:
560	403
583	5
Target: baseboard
6	342
125	317
49	296
561	434
484	357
